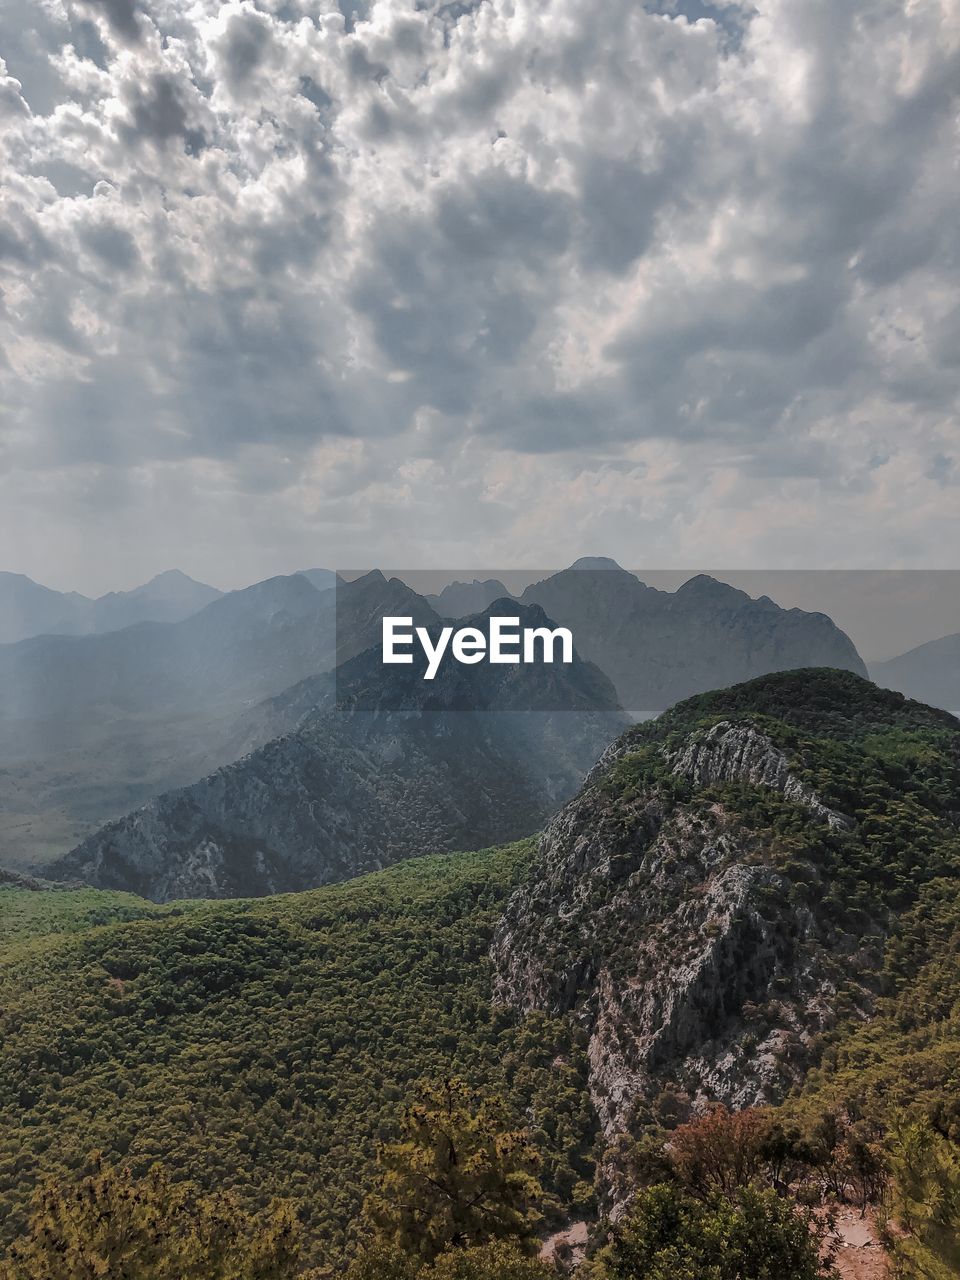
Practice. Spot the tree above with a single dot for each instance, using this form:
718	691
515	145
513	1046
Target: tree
497	1261
753	1235
460	1177
111	1226
925	1205
722	1150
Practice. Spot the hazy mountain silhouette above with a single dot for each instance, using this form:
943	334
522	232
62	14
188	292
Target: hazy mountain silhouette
29	609
660	646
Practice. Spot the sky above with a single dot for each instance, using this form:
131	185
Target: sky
290	283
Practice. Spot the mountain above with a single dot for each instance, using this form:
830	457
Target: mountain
930	673
169	597
91	727
322	579
475	757
28	609
458	599
717	896
245	645
659	646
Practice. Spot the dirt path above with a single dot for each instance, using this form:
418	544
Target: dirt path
861	1256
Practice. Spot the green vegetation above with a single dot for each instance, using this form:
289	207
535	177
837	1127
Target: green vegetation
750	1235
266	1048
819	702
458	1178
891	765
275	1056
925	1203
906	1058
456	1197
35	913
111	1226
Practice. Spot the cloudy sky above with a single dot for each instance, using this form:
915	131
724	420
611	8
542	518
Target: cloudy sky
461	283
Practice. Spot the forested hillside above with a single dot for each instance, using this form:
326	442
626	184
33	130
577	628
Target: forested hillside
265	1047
754	902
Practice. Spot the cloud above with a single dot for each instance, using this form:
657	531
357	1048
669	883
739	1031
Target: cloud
489	257
122	17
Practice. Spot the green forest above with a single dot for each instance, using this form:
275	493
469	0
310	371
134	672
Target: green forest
265	1047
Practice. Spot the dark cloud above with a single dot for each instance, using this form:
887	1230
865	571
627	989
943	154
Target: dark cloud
158	114
114	246
122	15
244	47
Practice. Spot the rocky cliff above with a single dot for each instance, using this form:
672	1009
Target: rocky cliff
718	893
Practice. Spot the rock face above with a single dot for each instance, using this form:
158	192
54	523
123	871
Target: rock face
681	905
327	803
659	928
739	753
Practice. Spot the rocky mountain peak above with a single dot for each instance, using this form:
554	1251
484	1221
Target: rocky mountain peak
703	901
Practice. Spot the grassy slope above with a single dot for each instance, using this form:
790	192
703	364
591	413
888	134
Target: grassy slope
267	1045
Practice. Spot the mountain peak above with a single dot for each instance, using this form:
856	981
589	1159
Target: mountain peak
170	575
702	587
597	562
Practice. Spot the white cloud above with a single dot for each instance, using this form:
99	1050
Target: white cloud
499	281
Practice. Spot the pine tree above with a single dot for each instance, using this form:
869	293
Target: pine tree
111	1226
459	1178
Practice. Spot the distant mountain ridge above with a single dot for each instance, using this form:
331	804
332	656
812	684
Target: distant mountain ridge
458	599
243	646
93	726
28	609
929	673
659	646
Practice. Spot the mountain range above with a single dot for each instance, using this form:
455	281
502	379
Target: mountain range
94	727
91	726
660	646
929	673
29	609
